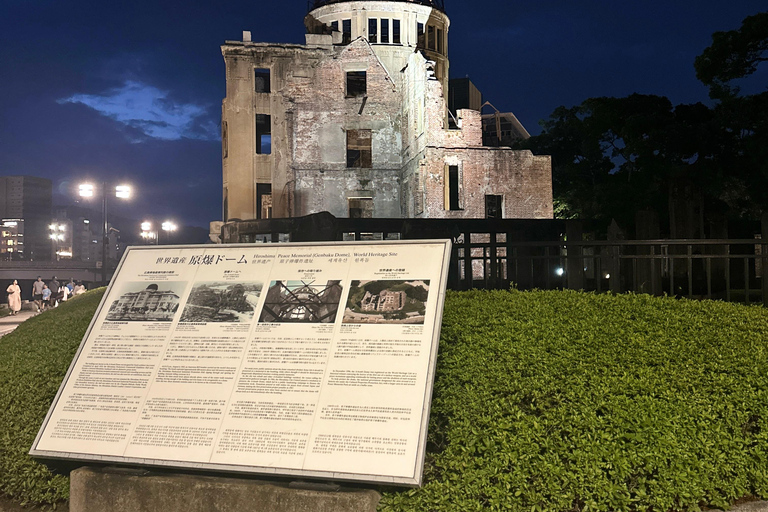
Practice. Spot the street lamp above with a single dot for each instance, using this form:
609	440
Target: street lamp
168	227
122	192
146	232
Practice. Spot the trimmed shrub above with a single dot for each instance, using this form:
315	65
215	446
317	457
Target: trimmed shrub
34	359
561	401
570	401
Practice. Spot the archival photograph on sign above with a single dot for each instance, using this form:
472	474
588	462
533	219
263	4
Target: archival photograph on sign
302	301
387	302
222	302
146	302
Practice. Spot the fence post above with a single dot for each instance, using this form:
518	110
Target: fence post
614	261
574	232
764	257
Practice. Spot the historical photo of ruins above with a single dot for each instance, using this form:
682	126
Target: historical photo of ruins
143	302
302	302
386	302
222	302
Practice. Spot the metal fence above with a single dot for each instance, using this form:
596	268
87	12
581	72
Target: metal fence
549	254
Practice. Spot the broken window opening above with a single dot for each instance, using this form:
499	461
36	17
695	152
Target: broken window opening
360	208
261	80
359	148
453	123
346	31
264	200
396	31
263	134
373	25
224	140
493	207
453	192
430	37
385	31
420	38
440	46
356	84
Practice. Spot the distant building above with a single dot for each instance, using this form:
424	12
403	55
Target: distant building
26	200
356	122
11	239
81	238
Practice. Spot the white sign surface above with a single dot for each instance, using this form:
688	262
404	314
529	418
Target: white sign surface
287	359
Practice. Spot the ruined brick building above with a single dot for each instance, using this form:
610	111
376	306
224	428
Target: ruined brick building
355	122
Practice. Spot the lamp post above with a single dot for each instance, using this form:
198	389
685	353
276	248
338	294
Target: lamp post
122	192
169	227
147	234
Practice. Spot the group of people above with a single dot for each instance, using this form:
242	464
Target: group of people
45	295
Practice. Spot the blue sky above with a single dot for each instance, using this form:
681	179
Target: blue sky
131	91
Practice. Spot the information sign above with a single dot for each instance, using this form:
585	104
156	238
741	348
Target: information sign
309	360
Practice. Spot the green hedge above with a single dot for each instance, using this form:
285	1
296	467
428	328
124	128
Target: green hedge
568	401
559	401
33	361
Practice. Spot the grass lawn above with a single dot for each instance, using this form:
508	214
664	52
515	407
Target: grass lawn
560	401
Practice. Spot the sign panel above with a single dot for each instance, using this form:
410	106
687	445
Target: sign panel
313	360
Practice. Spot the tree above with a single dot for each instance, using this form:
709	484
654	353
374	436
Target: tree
612	157
733	54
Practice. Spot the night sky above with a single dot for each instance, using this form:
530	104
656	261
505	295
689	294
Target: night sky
131	91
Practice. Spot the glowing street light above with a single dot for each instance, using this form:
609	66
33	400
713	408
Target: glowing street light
120	191
169	227
146	232
86	190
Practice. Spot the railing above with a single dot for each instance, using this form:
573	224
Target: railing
549	254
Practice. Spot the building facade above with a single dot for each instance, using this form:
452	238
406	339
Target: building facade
355	122
26	201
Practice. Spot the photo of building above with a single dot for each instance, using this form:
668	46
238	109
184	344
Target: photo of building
222	302
302	301
356	122
140	302
386	302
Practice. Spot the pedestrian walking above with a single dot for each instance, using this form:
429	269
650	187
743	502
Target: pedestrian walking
14	297
37	293
53	285
46	297
63	294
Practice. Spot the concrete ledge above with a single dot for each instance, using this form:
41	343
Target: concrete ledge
102	490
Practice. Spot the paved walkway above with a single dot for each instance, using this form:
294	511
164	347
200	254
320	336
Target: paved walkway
9	323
